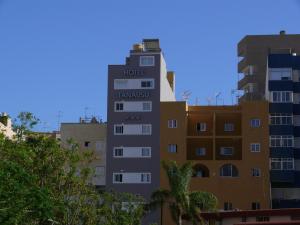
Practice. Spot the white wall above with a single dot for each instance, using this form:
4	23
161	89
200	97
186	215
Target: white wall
166	93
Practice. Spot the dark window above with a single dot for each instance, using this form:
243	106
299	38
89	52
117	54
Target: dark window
227	206
86	144
255	205
229	170
262	218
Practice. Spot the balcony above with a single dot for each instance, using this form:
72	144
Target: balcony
242	65
285	203
251	97
281	152
246	80
282	176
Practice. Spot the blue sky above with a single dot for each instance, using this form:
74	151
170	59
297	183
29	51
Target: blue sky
54	54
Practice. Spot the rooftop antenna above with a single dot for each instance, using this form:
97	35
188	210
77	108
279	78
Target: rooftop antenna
59	116
186	95
217	95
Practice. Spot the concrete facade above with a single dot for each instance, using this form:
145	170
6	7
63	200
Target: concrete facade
242	190
135	91
90	136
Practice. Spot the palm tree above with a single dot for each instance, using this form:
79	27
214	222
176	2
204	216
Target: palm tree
180	200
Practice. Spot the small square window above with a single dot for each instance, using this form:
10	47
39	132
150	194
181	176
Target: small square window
255	147
87	143
255	123
118	178
255	172
147	84
118	152
147	61
172	148
119	129
145	178
172	123
119	106
201	127
226	151
255	205
200	151
228	127
146	129
147	106
146	152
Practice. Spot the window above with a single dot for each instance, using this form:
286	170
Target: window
145	178
147	84
87	143
200	151
146	60
282	164
227	206
226	151
255	147
255	205
118	178
119	106
255	172
262	218
119	129
282	96
172	148
172	123
147	106
228	127
120	84
118	152
201	127
280	73
281	141
281	119
255	123
146	152
146	129
228	170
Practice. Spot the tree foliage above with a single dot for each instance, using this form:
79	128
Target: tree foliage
180	200
43	184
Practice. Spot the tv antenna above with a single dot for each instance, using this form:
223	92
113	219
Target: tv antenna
217	95
59	116
186	95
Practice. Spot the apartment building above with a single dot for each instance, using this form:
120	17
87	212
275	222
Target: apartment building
270	65
135	91
90	135
6	126
228	146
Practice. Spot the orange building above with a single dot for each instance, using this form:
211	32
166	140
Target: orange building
228	146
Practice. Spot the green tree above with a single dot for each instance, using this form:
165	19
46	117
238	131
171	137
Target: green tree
180	200
42	183
121	209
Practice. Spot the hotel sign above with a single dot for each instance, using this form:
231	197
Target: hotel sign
133	94
133	72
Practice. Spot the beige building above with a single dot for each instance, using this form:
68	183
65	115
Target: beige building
90	135
6	126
